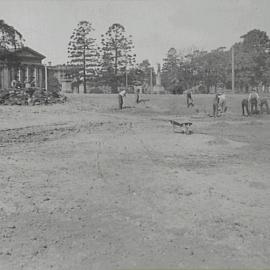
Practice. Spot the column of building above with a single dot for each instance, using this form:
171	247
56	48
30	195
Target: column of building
40	78
36	76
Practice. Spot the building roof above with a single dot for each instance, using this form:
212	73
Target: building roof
28	52
24	52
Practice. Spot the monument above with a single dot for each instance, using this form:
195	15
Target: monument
158	88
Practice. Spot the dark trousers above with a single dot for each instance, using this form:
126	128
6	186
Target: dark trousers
245	106
137	98
264	103
120	100
189	100
215	109
253	106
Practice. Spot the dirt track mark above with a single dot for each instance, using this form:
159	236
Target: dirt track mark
190	161
98	165
34	134
44	133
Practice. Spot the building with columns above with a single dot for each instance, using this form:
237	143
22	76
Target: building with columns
23	65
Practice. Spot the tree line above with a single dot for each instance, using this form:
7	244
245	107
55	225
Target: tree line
107	63
112	61
203	70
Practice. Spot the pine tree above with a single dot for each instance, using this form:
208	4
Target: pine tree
170	70
82	51
117	54
147	69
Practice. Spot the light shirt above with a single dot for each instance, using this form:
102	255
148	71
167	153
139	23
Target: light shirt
222	98
123	93
253	95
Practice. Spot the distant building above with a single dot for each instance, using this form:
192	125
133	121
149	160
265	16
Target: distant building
24	65
63	74
60	72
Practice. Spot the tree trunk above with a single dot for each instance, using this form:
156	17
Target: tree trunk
115	86
208	88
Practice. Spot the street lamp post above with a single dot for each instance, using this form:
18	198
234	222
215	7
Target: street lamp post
151	79
233	75
46	77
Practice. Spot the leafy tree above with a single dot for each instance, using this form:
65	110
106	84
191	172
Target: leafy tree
10	38
82	51
170	71
252	65
147	69
207	68
10	41
266	72
252	59
117	54
193	69
215	65
141	75
255	41
53	83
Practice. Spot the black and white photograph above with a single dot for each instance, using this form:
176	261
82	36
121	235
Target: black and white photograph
134	134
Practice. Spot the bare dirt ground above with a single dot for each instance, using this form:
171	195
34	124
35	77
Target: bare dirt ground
85	186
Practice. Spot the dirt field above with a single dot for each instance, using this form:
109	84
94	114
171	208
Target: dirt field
85	186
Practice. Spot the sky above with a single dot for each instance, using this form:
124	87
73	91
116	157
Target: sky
155	25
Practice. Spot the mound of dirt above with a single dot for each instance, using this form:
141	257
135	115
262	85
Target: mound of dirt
31	96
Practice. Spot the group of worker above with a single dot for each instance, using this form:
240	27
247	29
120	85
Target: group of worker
254	102
123	93
219	103
250	104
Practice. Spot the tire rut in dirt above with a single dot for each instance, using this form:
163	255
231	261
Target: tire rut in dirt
44	133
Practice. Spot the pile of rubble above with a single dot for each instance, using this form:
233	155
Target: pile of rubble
30	96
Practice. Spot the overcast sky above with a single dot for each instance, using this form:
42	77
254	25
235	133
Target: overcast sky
155	25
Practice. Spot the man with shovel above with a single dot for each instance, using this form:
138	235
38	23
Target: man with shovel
121	95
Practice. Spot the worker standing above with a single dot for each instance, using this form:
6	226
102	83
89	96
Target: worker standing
137	95
215	105
121	95
244	104
222	102
189	98
253	100
264	103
